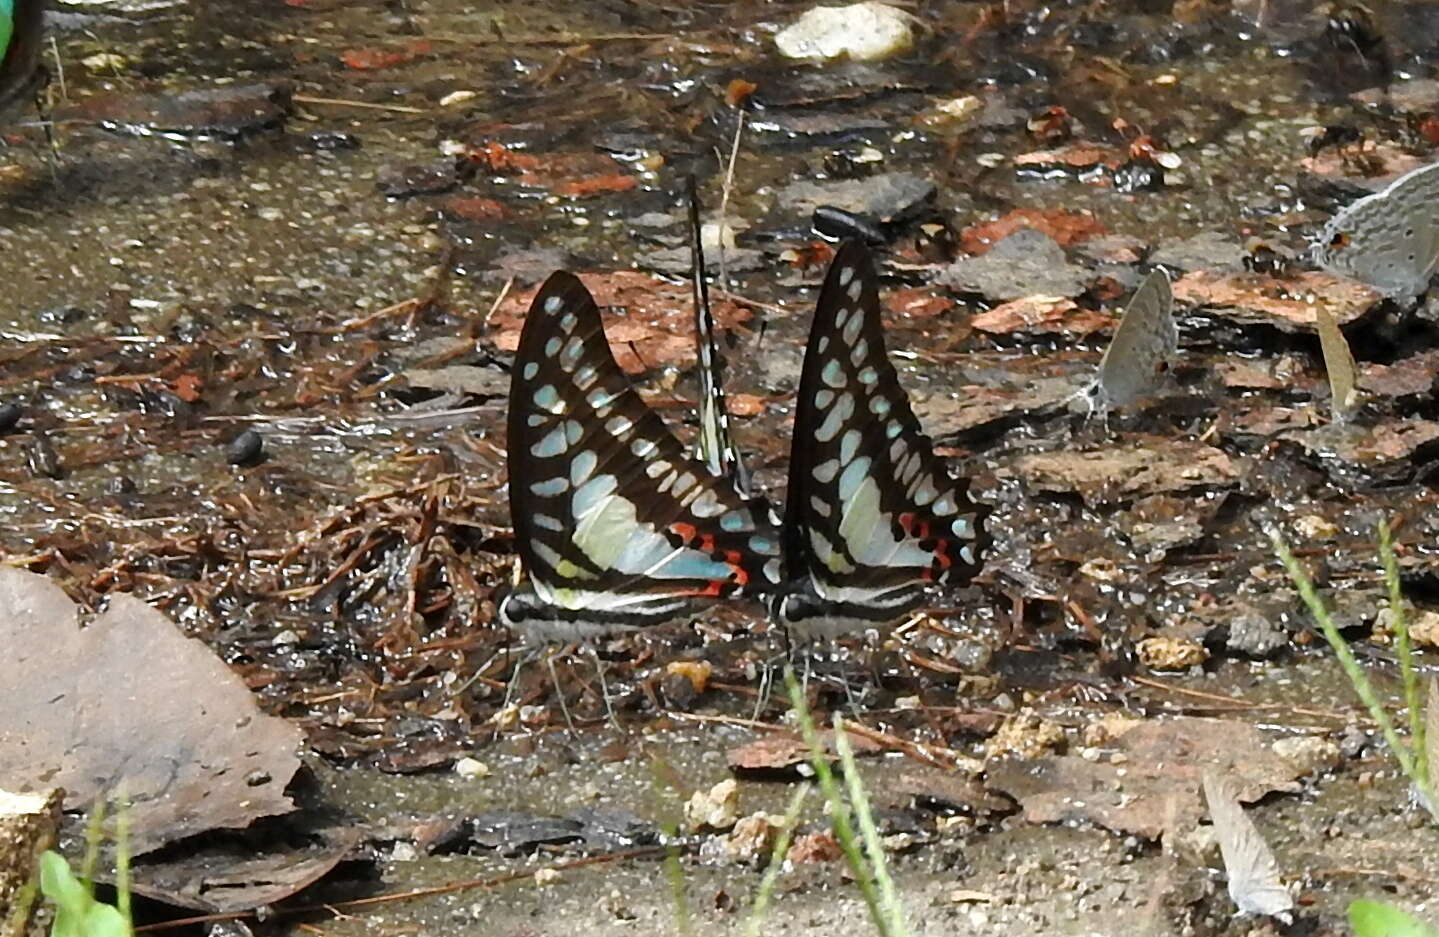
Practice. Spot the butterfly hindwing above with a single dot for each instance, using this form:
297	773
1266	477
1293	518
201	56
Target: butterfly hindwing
614	524
1144	343
872	514
715	446
1390	239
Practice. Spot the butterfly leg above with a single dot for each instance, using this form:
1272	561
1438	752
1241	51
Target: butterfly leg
604	687
560	695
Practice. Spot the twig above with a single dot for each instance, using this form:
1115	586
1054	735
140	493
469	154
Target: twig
369	105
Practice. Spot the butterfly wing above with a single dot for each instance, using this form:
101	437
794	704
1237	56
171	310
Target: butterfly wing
872	516
1254	882
614	524
1143	345
1390	239
715	446
1338	364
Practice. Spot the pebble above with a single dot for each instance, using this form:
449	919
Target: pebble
865	32
9	415
471	769
245	449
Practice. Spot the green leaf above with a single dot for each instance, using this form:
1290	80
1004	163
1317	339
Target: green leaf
1375	919
105	920
60	885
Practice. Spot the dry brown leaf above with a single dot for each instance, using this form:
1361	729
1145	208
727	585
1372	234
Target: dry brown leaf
130	701
1041	315
1066	227
1121	472
1287	304
1153	785
649	322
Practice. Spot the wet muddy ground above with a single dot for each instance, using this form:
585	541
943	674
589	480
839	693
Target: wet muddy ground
320	222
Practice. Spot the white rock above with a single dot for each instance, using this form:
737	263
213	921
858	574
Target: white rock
862	31
470	768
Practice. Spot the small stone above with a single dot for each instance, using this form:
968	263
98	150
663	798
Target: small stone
404	852
752	837
697	672
245	449
1025	734
471	769
716	808
1170	653
864	32
10	414
545	877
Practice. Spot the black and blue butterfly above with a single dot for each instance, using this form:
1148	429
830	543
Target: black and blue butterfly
617	527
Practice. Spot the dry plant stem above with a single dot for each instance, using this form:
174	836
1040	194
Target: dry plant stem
838	808
754	926
122	860
1406	655
889	897
1351	667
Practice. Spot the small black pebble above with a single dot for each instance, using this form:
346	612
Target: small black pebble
245	449
121	485
9	415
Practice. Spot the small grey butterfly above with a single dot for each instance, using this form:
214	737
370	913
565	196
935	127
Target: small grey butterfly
1338	364
1390	239
1140	352
1254	883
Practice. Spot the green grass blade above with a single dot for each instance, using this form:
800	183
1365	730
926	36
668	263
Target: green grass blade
888	894
1351	667
776	863
1402	644
838	808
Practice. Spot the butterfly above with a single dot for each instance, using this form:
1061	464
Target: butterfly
1140	352
1390	239
872	518
616	526
1254	883
1338	364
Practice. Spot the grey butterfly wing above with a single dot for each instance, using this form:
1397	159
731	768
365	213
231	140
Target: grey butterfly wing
1143	345
1390	239
1254	883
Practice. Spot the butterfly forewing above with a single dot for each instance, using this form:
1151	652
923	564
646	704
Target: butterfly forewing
1143	346
614	524
1254	882
1390	239
872	515
1338	364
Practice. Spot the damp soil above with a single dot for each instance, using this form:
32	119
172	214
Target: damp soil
282	219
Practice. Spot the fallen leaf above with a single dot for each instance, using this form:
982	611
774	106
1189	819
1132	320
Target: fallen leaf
779	750
916	303
654	324
1120	472
473	208
571	174
1074	156
1066	227
187	387
370	59
1285	304
135	704
1149	782
1042	315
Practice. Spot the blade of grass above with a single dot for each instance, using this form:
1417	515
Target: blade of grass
889	896
93	836
1406	654
838	809
776	863
1351	667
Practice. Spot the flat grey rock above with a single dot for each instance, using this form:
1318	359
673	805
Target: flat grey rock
882	197
1207	251
1027	263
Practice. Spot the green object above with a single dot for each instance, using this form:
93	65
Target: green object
1374	919
77	913
7	25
